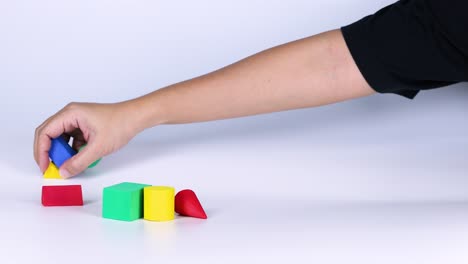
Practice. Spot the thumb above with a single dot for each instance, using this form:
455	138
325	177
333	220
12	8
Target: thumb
79	162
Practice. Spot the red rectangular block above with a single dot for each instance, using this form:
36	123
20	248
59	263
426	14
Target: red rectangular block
62	195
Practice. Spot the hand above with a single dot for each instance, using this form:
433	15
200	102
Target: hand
104	127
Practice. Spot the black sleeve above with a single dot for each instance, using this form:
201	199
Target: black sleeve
411	46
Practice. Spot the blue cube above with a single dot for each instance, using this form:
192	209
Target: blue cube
60	151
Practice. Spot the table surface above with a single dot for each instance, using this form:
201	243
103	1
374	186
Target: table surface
276	189
239	231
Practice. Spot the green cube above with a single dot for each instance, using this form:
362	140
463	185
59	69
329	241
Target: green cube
123	201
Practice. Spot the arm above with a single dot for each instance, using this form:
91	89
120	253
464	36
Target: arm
310	72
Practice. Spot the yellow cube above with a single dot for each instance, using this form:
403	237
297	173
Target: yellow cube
52	172
158	203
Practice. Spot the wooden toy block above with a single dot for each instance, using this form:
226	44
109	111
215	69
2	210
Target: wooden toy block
95	162
187	204
60	151
123	201
158	203
52	172
62	195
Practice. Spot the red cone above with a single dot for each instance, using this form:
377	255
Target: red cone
187	204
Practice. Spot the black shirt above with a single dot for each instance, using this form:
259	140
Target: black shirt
412	45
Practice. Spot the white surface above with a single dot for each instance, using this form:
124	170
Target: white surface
242	231
377	180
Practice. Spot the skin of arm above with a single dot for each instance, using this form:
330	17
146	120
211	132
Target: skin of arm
310	72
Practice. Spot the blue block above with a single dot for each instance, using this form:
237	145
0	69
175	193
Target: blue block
60	151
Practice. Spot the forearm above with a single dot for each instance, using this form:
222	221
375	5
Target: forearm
310	72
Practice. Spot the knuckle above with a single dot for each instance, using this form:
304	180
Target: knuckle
38	132
72	106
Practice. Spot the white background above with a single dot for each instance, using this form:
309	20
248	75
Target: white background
377	180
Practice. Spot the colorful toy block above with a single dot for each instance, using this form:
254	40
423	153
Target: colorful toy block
60	151
62	195
92	164
52	172
187	204
123	201
158	203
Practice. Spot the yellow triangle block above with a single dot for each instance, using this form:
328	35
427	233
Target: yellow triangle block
52	172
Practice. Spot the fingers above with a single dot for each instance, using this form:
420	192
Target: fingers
36	139
62	122
43	146
42	142
80	161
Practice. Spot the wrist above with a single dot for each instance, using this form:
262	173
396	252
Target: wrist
143	112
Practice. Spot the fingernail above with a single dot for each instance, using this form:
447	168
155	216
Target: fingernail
64	173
